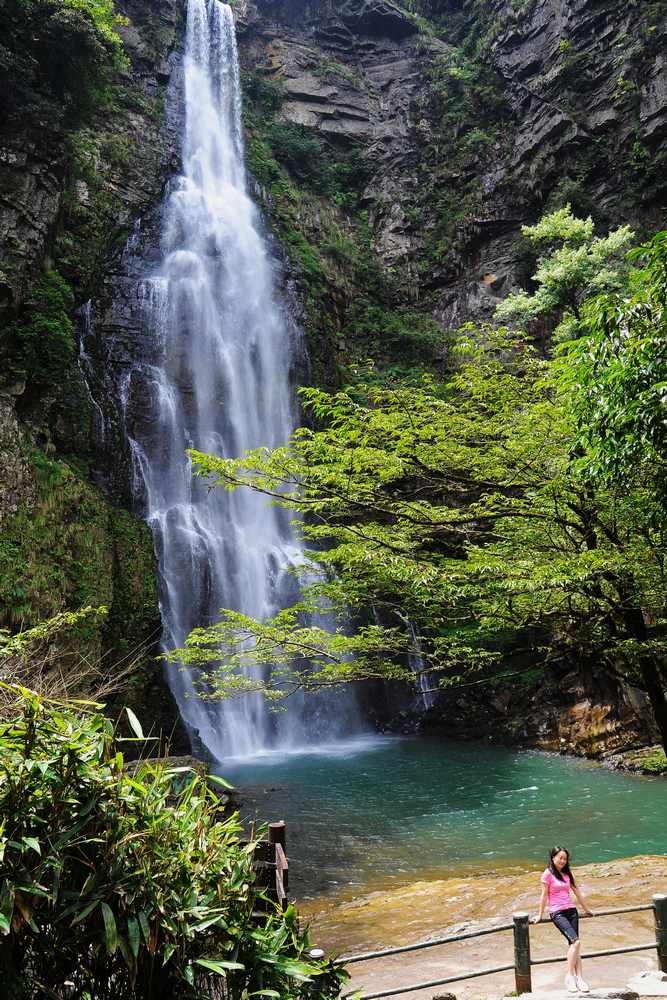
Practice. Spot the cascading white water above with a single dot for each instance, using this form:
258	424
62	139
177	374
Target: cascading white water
424	681
218	380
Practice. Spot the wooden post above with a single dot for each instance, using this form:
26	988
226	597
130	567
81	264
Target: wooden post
521	953
277	833
277	840
660	916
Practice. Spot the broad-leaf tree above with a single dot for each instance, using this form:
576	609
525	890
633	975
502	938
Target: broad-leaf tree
573	264
618	373
464	508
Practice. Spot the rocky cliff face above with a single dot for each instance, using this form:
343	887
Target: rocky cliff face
74	176
473	121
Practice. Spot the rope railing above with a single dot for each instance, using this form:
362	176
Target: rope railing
523	962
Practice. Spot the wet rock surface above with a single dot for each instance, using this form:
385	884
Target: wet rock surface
566	711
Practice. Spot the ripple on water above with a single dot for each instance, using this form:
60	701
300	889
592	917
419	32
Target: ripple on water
391	809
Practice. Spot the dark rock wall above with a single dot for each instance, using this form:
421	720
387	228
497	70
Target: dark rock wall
73	182
586	86
549	101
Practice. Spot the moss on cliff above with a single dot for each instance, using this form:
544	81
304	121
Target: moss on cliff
84	151
73	549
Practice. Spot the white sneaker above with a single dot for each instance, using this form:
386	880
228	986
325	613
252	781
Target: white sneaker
571	984
582	985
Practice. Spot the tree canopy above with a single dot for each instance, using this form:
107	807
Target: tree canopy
472	509
573	264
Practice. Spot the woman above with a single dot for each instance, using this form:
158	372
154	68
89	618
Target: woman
557	883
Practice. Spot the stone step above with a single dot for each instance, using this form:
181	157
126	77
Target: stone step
650	984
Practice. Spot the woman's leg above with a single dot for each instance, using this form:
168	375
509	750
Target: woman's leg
567	922
574	921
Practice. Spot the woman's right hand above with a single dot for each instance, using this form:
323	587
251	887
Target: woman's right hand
536	919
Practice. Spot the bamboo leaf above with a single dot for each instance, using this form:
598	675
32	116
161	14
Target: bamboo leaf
218	965
133	935
145	927
110	930
135	725
217	780
88	908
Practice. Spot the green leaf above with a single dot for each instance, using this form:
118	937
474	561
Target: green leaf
168	952
217	780
110	930
145	926
126	952
33	843
88	908
289	966
133	935
135	725
219	966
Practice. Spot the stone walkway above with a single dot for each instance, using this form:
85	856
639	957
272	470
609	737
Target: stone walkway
391	917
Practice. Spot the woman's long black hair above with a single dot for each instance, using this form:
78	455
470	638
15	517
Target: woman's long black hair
566	867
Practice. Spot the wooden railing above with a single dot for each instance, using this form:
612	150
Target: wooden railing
522	963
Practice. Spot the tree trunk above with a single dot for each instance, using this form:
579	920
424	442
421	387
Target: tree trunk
656	695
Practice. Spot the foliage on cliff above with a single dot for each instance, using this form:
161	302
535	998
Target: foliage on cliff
66	50
573	265
44	335
128	885
474	508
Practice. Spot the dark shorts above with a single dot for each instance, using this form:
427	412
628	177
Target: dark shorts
567	922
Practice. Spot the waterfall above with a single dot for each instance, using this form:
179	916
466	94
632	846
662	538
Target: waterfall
423	678
215	374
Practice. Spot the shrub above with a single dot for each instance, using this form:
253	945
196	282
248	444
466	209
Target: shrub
128	885
303	153
44	335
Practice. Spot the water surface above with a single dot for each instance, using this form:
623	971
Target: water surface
390	810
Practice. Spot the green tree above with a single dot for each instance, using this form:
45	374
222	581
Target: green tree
129	883
463	508
573	264
619	376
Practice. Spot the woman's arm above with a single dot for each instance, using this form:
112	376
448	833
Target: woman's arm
543	903
580	899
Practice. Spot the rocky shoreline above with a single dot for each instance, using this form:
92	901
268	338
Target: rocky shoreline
562	710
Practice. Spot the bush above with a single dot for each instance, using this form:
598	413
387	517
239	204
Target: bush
404	333
44	336
128	885
303	153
